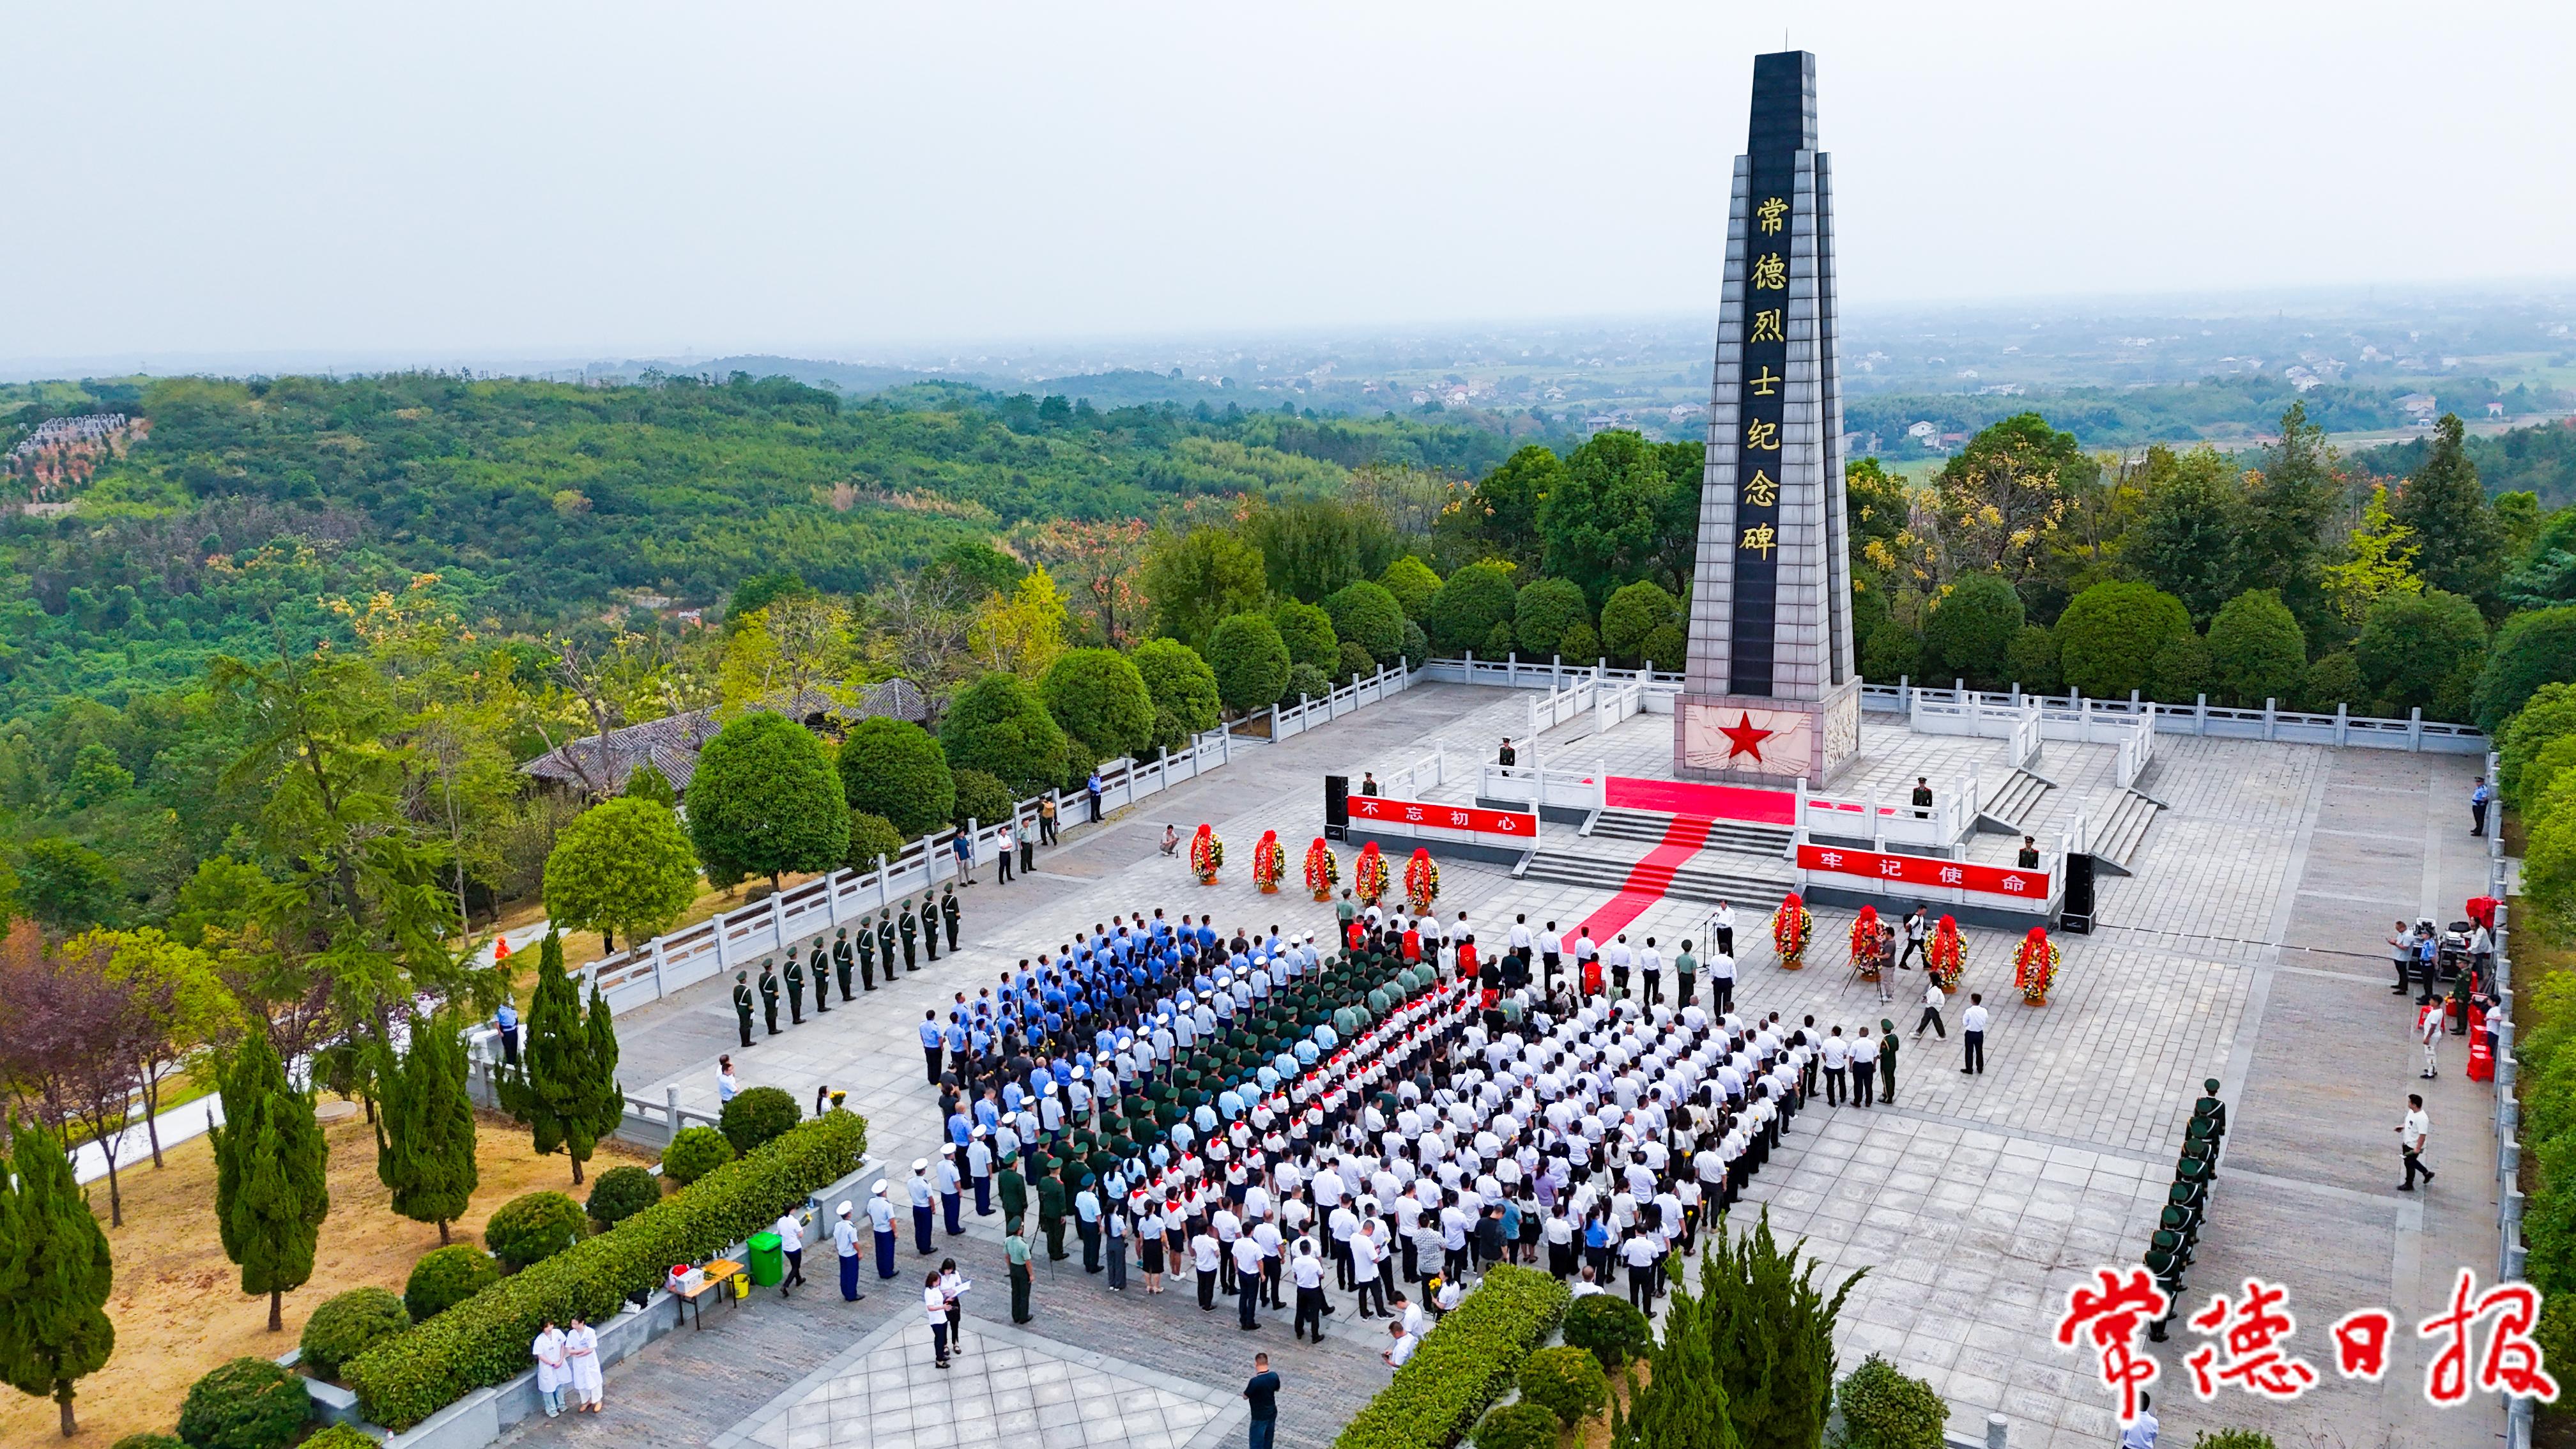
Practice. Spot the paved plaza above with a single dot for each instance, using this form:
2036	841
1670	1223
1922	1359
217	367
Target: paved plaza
2247	947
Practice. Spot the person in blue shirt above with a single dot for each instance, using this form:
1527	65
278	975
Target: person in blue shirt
961	1128
956	1036
931	1041
506	1022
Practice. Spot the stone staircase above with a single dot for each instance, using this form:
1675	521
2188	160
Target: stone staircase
1771	841
2123	831
1708	876
2014	804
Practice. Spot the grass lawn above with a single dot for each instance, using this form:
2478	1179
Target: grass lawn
178	1305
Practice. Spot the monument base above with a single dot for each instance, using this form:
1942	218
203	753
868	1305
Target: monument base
1756	740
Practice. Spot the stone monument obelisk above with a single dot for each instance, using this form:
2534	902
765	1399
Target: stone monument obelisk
1773	692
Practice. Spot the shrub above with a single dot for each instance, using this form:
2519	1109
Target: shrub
1411	583
1666	648
2531	650
998	725
1608	1327
2181	669
621	1193
2108	637
1521	1425
1367	615
2412	643
1250	661
2335	680
1889	652
150	1441
872	838
341	1436
445	1277
533	1227
894	769
758	1116
2232	1439
2548	716
1354	660
1079	761
1629	615
1307	630
1417	645
1970	632
2032	660
1580	644
1182	688
1463	612
1568	1381
1461	1365
1305	682
1883	1409
249	1403
983	799
342	1328
1545	609
695	1152
1100	699
2256	651
484	1340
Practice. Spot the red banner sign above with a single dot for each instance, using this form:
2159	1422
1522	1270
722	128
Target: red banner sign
1928	871
1446	817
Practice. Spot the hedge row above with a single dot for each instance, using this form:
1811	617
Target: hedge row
1462	1365
484	1340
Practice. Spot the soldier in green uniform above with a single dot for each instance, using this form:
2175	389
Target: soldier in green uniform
1886	1061
1051	1215
885	943
929	927
843	958
769	993
1686	966
1015	1251
910	930
1013	1189
742	1004
815	967
795	989
949	911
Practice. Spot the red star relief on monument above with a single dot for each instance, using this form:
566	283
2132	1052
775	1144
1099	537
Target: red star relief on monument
1744	738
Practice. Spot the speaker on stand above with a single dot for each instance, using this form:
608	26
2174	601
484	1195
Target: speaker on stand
2077	913
1337	807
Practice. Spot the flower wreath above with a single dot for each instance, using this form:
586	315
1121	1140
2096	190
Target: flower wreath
2035	963
1945	955
1323	870
1791	926
1371	874
1864	942
1269	862
1207	855
1421	880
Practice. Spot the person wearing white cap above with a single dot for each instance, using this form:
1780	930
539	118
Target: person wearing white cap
881	1217
845	1242
918	1188
952	1187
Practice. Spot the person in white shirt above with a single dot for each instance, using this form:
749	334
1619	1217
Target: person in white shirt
2428	1030
581	1355
727	1085
1399	1352
1932	999
1972	1029
791	1242
1247	1282
934	1306
1721	981
551	1373
1837	1057
1367	1251
2412	1134
1205	1255
2140	1432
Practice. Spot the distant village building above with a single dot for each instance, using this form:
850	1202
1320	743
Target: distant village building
671	744
2419	408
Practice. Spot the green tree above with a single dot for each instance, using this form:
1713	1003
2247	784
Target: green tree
1182	688
2256	651
1970	631
1882	1408
760	590
2412	644
565	1088
1099	698
1502	511
2289	500
976	568
999	725
1249	660
1365	614
1307	630
1463	613
425	1125
1770	1335
1876	505
2180	671
1314	547
2378	560
2335	680
2001	497
67	886
2531	650
2031	662
764	801
645	782
894	768
621	868
872	840
1890	651
2184	541
2446	510
1544	610
1606	520
2547	717
1630	616
1412	583
272	1169
1199	577
54	1276
981	798
2108	638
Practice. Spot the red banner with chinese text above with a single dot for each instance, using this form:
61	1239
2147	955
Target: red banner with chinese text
1445	817
1931	872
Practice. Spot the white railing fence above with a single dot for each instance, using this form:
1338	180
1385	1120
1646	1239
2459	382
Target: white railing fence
1297	719
1410	782
2137	749
1535	786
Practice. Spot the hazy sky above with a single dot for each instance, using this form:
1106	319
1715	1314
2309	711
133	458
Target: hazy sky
643	178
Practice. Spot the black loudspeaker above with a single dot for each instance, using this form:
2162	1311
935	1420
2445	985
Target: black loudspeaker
1337	806
2077	912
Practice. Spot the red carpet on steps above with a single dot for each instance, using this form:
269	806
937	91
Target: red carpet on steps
1652	877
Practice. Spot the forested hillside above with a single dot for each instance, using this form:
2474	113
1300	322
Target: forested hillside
532	503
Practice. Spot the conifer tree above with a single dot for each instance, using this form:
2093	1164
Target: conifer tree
271	1176
1770	1333
1683	1404
425	1134
54	1277
566	1087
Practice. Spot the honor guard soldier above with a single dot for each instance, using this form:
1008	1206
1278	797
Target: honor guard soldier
885	942
742	1004
769	994
843	959
910	930
816	967
795	990
949	911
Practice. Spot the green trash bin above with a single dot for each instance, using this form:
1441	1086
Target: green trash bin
768	1260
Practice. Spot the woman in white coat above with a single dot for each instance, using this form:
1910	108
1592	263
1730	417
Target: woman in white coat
581	1354
549	1353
